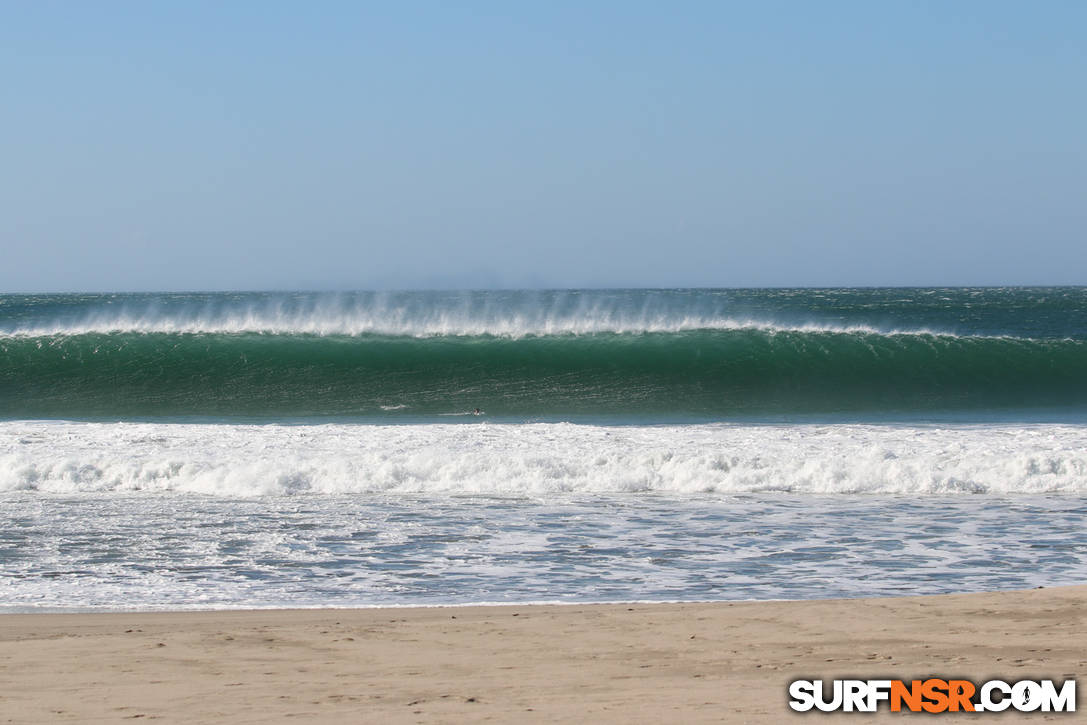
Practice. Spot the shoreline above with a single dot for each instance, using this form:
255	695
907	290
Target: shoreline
609	662
303	608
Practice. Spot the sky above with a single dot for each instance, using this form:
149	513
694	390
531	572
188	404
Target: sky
351	145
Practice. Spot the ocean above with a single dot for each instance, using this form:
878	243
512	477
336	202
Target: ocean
229	450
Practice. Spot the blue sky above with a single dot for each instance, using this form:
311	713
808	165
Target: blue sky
272	145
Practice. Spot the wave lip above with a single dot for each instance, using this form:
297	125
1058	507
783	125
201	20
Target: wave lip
439	326
512	315
540	460
1035	313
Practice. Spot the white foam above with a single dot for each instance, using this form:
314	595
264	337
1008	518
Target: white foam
541	459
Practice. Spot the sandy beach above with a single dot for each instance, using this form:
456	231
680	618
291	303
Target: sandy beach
711	662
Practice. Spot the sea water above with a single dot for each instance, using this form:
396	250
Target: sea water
274	449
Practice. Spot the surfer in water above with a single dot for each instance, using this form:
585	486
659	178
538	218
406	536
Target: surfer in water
477	411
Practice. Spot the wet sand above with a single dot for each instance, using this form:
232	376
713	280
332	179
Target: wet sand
717	662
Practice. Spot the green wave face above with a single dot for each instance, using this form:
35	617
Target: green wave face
715	373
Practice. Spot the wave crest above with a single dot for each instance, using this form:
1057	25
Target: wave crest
418	315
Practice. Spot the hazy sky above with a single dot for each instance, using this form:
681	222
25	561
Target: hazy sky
256	145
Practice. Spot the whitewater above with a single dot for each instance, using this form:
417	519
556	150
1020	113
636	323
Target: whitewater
231	450
540	460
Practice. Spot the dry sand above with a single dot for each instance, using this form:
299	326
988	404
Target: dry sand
717	662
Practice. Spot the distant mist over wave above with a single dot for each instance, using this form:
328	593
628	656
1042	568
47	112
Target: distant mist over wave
462	314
